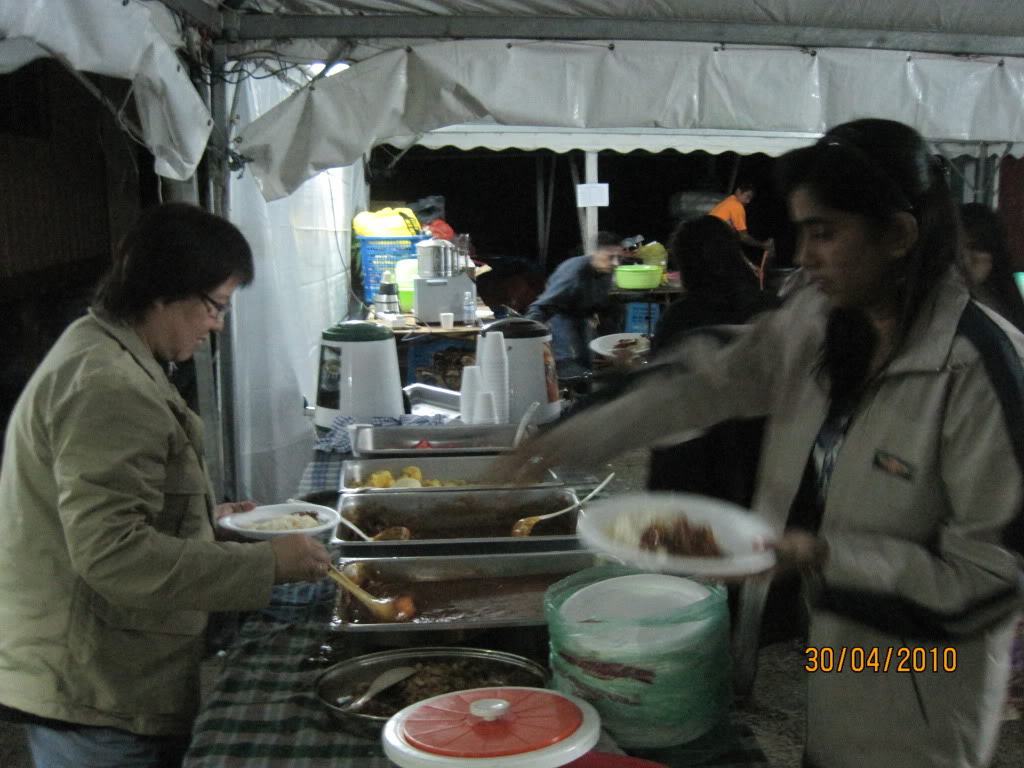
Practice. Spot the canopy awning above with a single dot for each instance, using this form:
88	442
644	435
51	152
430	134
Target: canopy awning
693	90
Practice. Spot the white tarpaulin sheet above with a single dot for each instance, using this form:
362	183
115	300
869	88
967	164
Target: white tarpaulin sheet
960	26
665	85
120	40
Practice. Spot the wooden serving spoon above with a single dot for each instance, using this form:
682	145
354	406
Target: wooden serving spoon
385	609
524	525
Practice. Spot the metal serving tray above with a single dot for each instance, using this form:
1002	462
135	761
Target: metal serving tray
469	592
427	400
356	472
447	440
467	519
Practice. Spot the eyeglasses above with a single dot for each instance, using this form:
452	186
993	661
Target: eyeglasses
217	309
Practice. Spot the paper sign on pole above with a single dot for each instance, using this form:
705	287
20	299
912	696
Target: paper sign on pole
591	194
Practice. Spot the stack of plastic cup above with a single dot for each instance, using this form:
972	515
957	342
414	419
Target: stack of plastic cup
484	410
494	373
471	386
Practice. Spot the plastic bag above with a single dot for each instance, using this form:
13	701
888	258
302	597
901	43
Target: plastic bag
387	222
657	681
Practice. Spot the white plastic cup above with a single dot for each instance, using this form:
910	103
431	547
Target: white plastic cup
484	411
480	350
472	384
495	373
447	320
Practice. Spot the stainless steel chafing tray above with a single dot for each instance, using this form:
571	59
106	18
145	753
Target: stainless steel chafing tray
469	518
425	400
469	592
467	469
433	440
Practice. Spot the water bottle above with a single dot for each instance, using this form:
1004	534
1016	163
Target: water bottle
468	309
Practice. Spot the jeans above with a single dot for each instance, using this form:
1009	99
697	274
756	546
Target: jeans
570	339
87	747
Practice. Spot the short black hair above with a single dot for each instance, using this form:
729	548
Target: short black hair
606	238
173	251
744	185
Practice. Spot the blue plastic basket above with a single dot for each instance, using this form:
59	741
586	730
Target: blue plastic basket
379	254
642	317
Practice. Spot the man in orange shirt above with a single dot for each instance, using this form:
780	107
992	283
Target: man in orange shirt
733	211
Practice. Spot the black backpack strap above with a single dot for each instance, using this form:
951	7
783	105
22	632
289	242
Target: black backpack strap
1004	368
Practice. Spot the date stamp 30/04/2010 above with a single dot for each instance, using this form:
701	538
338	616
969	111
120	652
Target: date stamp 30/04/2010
857	658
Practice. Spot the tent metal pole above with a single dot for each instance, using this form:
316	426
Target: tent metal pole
538	172
550	203
224	367
590	240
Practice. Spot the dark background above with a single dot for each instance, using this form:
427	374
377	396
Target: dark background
492	194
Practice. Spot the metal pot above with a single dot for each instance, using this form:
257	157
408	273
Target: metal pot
436	258
341	680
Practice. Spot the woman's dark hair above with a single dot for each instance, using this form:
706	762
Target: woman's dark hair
173	251
710	262
877	169
984	230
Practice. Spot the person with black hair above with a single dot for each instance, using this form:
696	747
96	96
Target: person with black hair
720	290
987	262
109	565
575	294
892	467
733	211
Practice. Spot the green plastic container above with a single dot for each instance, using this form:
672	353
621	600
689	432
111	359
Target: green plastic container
405	275
638	276
405	298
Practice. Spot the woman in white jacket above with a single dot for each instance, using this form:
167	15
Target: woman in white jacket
892	461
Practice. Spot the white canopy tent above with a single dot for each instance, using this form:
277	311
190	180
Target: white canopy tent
709	74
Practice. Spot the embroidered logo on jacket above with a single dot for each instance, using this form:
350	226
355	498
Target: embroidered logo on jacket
894	465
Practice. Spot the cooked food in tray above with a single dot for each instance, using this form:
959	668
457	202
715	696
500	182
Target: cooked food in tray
465	592
457	600
462	518
410	477
429	473
434	678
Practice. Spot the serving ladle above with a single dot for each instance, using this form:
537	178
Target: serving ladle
391	533
384	680
524	525
386	609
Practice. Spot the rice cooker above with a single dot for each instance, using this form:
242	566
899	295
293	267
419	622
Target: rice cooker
502	727
358	374
531	368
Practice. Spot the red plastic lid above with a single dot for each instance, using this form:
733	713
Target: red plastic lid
491	722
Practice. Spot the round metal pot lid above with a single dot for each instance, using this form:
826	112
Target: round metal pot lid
517	328
357	330
492	728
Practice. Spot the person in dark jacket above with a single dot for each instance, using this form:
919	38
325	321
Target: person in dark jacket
720	290
575	292
987	264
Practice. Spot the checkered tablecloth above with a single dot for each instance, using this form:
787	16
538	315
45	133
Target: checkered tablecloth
262	711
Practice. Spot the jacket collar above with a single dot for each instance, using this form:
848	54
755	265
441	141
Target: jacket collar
130	340
930	340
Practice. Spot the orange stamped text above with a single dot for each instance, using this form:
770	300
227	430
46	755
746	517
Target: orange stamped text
857	658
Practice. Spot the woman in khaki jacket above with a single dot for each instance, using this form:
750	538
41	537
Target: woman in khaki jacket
893	460
108	560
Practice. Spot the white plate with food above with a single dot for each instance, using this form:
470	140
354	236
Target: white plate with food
678	533
272	520
616	345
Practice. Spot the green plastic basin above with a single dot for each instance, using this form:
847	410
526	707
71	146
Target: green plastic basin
636	276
